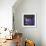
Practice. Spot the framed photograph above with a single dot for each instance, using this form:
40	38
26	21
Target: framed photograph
29	20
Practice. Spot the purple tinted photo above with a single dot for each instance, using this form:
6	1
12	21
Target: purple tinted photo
29	20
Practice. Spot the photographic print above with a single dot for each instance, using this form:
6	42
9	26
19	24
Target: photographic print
29	20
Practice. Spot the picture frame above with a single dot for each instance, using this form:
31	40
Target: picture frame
29	19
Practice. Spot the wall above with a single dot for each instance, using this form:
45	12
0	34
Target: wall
6	13
43	22
28	6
